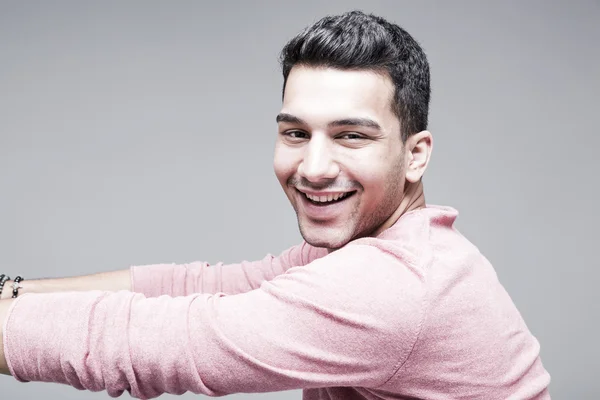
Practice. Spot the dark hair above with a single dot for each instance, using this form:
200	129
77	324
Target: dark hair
356	40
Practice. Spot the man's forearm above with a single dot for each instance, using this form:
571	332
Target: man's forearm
108	281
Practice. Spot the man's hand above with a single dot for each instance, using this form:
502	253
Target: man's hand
4	306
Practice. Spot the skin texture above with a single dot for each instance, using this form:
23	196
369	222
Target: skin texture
337	132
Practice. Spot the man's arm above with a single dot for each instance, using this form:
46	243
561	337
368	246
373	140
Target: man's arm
200	277
320	325
178	279
106	281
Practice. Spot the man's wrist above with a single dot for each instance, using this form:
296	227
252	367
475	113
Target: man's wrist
7	291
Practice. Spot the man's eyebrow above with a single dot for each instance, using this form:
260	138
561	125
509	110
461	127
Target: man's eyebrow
283	117
366	122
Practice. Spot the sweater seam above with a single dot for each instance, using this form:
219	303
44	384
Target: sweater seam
129	349
425	313
132	278
7	354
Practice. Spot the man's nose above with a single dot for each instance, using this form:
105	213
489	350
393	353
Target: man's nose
319	163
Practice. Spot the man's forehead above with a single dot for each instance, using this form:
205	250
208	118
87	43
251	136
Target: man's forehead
321	80
327	95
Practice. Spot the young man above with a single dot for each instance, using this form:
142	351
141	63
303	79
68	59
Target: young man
384	299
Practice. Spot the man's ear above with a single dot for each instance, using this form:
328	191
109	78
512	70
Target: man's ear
418	152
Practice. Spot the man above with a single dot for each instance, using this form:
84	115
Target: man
384	299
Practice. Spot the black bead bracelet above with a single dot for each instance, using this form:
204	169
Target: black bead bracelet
16	286
3	279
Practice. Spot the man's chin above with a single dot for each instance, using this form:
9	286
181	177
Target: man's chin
328	238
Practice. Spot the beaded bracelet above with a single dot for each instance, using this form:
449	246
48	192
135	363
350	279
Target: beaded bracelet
16	286
3	279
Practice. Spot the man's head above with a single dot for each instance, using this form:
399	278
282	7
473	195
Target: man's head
352	126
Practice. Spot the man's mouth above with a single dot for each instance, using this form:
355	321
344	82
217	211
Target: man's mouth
327	199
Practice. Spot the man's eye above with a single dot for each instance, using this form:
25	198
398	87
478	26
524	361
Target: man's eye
296	134
351	136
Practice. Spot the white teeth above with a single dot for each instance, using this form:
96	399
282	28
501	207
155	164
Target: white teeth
328	198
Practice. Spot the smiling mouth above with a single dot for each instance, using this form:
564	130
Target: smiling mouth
327	200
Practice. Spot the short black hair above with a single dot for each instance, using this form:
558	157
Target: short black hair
355	40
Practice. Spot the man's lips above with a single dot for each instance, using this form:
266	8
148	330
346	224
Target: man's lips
324	205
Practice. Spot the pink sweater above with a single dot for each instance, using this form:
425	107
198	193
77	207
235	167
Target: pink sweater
415	313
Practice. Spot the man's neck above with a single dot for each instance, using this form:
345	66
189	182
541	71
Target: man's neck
414	198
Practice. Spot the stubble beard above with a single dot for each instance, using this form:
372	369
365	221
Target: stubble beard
366	226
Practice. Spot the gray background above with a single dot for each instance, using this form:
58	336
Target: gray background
143	132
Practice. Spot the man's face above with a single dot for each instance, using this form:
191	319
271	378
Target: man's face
339	156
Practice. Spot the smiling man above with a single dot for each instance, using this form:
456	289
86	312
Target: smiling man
384	298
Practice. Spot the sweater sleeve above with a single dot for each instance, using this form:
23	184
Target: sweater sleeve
200	277
347	319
